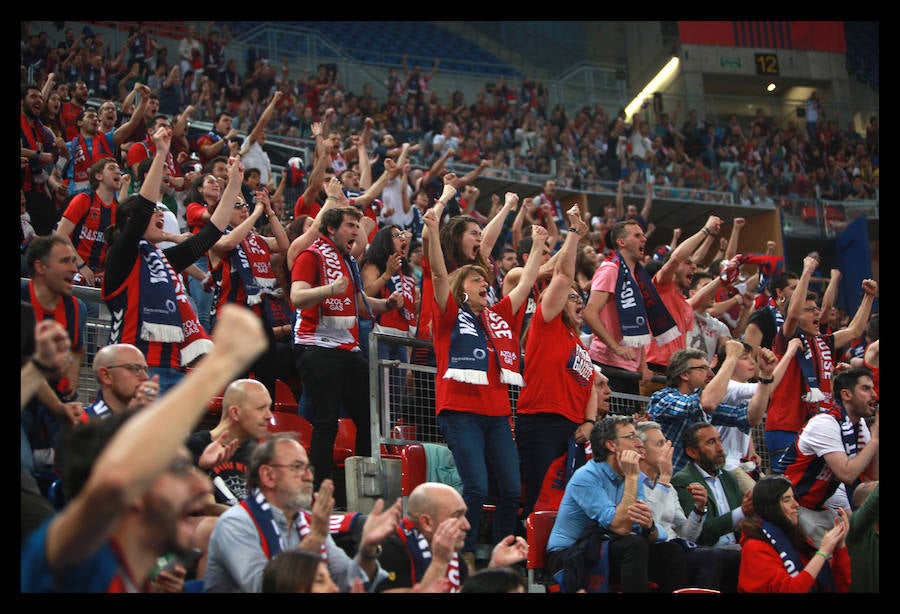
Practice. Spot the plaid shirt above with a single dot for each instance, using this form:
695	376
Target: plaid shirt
675	410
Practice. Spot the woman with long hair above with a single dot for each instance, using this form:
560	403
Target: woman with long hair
556	408
476	345
384	268
777	557
140	278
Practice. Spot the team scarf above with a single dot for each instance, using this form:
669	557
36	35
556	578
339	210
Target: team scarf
812	358
776	313
270	537
420	555
250	259
166	312
791	560
341	313
641	313
768	266
469	348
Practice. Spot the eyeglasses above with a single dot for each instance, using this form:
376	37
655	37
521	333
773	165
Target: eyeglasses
399	235
576	298
181	466
133	367
701	367
296	468
813	308
241	206
632	435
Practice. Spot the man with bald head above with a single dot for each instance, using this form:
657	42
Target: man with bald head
246	412
424	549
121	372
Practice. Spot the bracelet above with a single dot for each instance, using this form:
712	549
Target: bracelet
823	555
573	229
707	231
331	288
331	198
586	420
42	367
765	381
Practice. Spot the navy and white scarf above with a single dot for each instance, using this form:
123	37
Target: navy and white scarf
270	537
420	555
641	310
469	348
166	312
811	358
250	259
791	560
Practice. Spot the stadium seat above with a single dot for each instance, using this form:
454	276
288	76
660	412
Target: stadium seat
345	441
537	532
284	398
284	421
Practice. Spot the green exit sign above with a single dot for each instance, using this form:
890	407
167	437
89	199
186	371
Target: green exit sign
730	62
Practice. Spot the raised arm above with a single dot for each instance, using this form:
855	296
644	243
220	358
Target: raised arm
491	231
124	131
686	250
432	241
221	215
146	445
830	294
735	237
263	121
555	297
519	294
798	298
857	325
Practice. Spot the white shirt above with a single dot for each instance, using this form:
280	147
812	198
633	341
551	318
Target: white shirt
256	157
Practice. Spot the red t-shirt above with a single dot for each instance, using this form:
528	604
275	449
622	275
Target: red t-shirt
489	400
559	374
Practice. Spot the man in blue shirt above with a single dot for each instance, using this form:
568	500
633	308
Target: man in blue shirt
604	512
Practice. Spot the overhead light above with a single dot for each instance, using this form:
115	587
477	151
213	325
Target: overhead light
771	87
659	82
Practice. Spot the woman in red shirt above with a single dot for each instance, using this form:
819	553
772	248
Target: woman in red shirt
776	557
556	407
477	351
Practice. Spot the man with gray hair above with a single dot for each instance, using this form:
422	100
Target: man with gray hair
604	528
694	394
274	517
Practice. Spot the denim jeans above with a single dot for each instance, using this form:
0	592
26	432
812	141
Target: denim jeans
167	377
203	301
481	444
776	443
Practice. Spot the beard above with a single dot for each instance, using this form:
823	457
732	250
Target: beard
302	500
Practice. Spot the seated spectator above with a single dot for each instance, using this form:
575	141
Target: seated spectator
279	513
777	555
604	527
726	504
424	549
123	470
297	571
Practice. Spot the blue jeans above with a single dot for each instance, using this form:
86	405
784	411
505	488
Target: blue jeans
540	440
203	300
480	444
776	443
167	377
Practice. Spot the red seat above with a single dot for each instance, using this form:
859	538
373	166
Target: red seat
345	441
284	398
413	468
283	421
695	590
537	532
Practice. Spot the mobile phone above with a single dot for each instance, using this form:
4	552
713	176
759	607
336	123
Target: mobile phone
185	559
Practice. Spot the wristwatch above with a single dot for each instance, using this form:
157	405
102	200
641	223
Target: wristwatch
700	512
